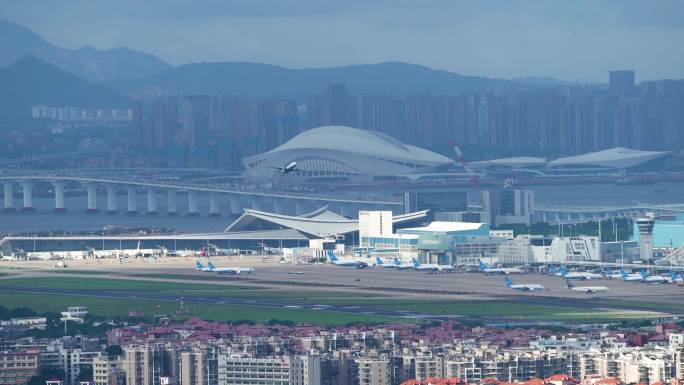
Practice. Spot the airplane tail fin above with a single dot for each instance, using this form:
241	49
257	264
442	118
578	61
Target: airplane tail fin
211	266
644	274
507	282
482	265
332	256
415	262
397	261
378	261
623	273
198	265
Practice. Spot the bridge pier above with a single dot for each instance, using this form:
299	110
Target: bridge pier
151	201
192	204
27	195
214	210
349	210
172	203
288	206
92	198
132	201
59	197
111	199
278	206
265	204
9	196
300	207
235	206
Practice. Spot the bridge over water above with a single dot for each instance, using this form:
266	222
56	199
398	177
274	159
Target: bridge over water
222	200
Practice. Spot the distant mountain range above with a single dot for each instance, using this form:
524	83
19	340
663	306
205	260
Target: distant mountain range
253	80
33	71
31	81
17	41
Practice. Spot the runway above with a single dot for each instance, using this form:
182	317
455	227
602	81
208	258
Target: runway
383	282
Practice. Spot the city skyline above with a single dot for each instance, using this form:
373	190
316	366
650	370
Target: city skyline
497	39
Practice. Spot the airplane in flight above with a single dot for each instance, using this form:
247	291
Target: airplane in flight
522	286
380	263
345	262
499	270
578	274
586	289
431	267
292	166
230	270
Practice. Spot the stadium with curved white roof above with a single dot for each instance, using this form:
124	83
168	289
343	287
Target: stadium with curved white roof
345	151
613	158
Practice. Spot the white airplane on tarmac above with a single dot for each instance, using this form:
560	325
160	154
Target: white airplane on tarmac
432	267
523	286
380	263
578	274
586	289
230	270
500	270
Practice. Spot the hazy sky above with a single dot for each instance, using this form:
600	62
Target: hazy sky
566	39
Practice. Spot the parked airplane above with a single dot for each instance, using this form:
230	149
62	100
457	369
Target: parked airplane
292	166
578	274
586	289
676	279
215	250
499	270
633	277
200	267
522	286
230	270
403	266
612	274
431	266
345	262
653	279
380	263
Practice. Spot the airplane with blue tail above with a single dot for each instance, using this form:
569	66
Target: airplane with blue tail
522	286
403	266
229	270
578	274
345	262
200	267
380	263
432	267
499	270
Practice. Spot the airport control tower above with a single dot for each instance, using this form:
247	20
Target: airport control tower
645	225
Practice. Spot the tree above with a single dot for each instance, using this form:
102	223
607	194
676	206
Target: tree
20	312
114	350
45	375
4	313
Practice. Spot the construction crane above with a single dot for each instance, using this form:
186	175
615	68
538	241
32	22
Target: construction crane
472	177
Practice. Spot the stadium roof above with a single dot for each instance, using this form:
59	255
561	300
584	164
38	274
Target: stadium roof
618	157
516	162
341	150
322	224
